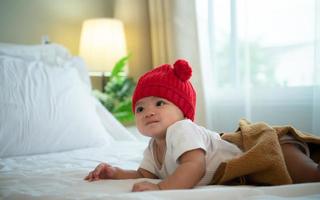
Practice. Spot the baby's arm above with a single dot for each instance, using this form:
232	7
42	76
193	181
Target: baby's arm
191	169
106	171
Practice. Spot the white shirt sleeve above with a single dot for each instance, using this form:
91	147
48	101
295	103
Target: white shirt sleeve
184	136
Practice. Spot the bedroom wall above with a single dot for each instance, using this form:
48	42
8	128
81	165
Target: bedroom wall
26	21
135	15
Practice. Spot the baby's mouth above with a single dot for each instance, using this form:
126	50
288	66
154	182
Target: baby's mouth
152	122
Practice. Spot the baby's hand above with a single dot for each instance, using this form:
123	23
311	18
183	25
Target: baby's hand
144	186
102	171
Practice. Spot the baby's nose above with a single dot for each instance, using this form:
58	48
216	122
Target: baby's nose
150	114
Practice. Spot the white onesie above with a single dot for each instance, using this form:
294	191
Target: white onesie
184	136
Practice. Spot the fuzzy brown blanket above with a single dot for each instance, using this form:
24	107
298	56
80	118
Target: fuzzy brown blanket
262	162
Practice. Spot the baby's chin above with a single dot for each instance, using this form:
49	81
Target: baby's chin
153	133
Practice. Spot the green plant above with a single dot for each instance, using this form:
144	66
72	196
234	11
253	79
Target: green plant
117	93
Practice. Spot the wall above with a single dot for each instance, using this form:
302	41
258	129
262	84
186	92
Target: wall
26	21
135	15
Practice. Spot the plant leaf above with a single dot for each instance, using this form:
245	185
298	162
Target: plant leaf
119	66
99	95
117	93
125	105
124	117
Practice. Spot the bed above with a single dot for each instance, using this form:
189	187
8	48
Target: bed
53	132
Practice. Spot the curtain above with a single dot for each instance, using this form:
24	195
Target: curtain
161	34
174	35
260	60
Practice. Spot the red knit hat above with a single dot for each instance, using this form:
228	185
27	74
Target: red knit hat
169	83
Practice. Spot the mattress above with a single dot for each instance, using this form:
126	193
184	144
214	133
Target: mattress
60	176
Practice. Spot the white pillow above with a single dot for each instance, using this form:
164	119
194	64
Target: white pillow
53	55
116	130
45	109
50	54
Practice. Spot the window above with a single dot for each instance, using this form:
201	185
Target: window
269	42
261	59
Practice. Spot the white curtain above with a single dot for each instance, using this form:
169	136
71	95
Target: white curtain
174	35
261	60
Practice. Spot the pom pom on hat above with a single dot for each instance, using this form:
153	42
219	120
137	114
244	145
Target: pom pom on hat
182	70
171	83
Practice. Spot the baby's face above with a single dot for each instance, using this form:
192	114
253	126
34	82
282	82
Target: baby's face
154	115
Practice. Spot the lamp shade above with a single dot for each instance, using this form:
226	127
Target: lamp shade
102	43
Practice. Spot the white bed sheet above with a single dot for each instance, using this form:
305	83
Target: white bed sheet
60	176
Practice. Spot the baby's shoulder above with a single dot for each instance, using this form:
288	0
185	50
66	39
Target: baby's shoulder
187	127
182	126
182	123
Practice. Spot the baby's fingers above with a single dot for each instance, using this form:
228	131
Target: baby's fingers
92	177
100	170
97	173
88	177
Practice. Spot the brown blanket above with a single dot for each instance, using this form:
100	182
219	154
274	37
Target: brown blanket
262	162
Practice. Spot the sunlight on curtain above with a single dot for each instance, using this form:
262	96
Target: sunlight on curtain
264	59
174	36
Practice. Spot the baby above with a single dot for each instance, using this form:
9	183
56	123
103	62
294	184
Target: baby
181	153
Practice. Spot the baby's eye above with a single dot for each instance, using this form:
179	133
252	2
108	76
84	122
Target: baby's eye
160	103
139	109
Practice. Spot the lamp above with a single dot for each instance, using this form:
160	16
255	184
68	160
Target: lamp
102	44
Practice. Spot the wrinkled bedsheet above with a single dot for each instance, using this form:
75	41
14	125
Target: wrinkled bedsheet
60	176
